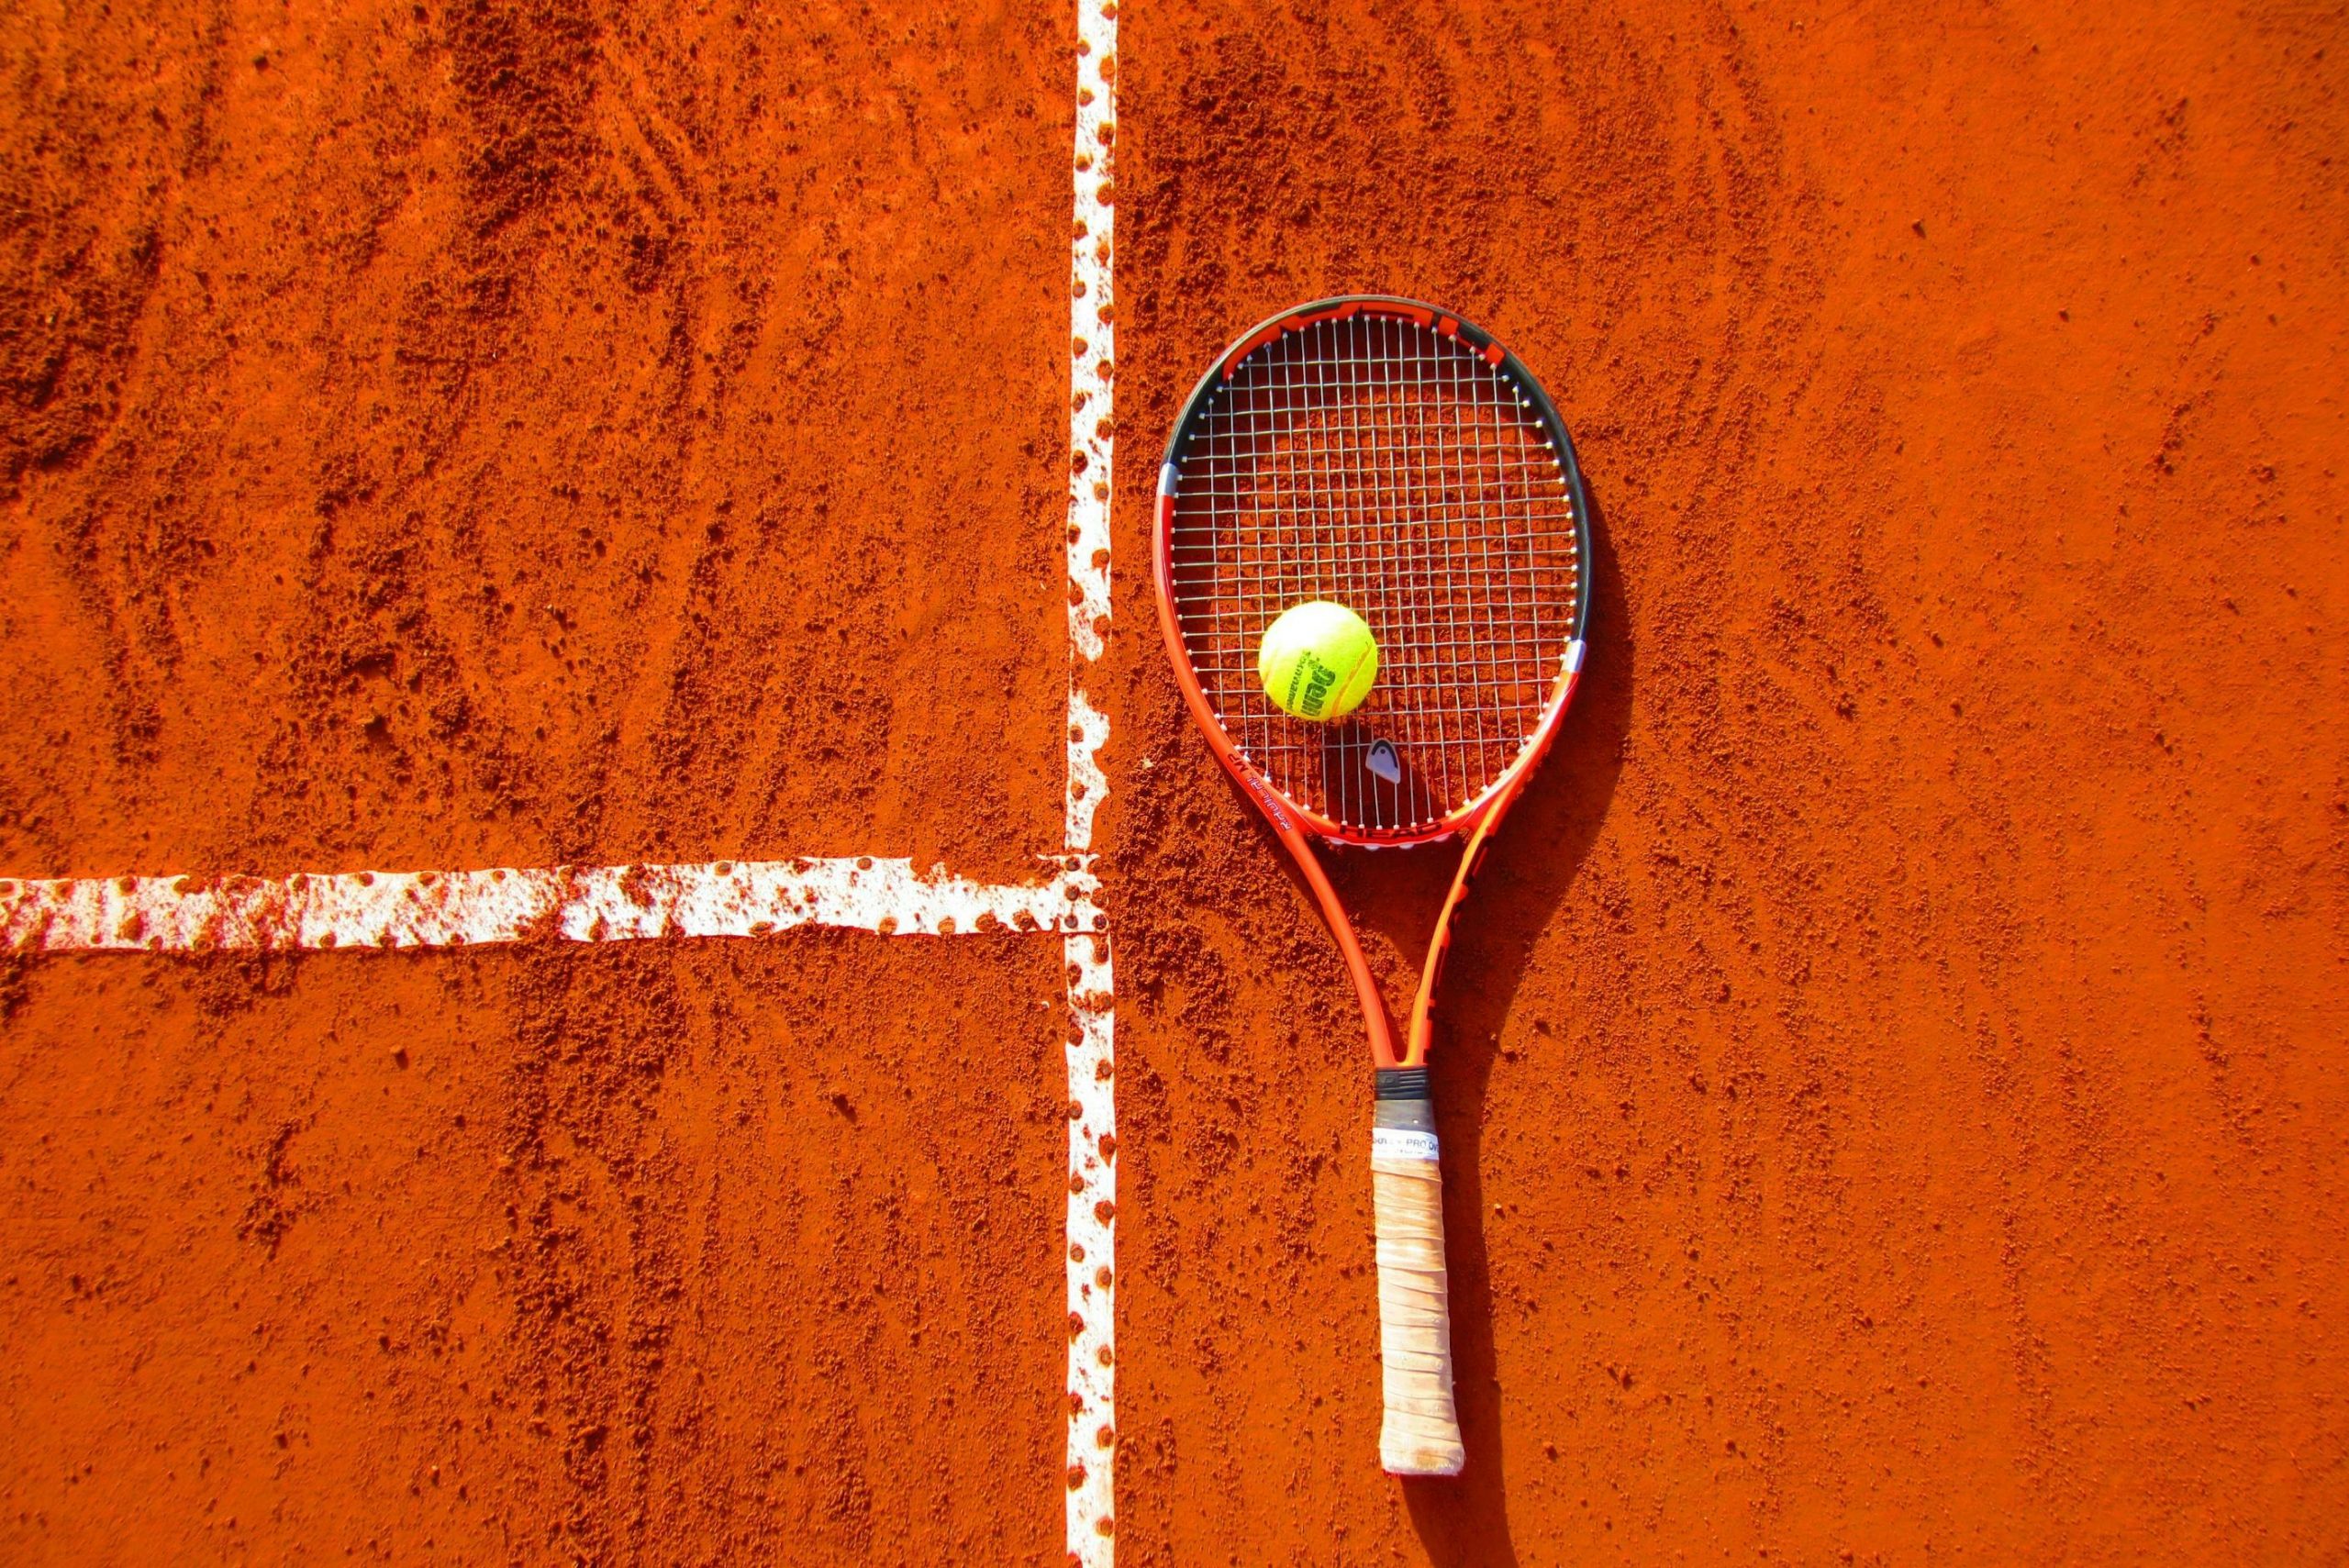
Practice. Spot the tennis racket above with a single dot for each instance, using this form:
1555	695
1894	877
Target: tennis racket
1393	458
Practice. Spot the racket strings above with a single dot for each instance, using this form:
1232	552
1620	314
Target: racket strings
1390	468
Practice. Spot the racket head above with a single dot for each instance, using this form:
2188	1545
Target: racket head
1392	457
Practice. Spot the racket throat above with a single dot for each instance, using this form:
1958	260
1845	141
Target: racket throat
1420	1032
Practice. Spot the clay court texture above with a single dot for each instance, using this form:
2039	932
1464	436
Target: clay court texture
580	713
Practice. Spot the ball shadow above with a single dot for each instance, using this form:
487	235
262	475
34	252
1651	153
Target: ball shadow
1527	876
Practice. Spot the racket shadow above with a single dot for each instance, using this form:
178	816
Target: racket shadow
1535	859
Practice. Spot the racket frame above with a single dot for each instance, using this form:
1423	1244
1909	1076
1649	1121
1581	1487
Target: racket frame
1297	826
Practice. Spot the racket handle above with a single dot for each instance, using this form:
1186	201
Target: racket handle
1421	1435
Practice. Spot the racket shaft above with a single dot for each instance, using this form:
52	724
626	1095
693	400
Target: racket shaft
1420	1434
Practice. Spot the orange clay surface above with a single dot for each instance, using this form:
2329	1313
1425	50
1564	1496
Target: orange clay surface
1892	1077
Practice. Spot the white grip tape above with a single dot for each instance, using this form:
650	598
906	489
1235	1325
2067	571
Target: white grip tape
1421	1433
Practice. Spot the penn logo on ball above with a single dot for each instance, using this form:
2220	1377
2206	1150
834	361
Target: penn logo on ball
1318	661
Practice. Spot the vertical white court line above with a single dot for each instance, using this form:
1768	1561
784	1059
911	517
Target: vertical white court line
1092	1109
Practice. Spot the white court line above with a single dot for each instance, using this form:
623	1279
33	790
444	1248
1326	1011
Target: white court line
439	909
578	904
1091	1514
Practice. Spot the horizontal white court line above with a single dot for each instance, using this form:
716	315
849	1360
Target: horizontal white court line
580	904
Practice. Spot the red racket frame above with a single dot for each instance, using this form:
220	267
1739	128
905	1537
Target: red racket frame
1296	826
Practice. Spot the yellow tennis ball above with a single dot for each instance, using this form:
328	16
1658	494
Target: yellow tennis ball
1318	661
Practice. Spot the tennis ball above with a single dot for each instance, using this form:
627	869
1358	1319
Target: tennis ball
1318	661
